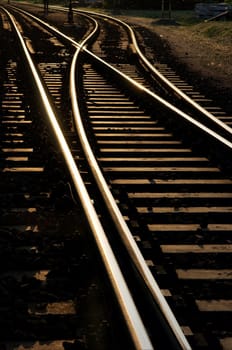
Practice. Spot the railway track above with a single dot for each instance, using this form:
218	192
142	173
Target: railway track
155	74
181	78
174	196
52	279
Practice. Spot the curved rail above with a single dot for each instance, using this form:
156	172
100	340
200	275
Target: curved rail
116	214
165	103
114	211
113	208
132	318
140	87
117	217
163	79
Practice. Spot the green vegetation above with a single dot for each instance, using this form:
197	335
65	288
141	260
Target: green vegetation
220	32
181	17
216	29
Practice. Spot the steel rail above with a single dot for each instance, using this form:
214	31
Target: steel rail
165	103
118	219
116	214
137	85
155	71
132	318
114	211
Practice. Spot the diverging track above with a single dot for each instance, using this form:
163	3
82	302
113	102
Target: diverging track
173	193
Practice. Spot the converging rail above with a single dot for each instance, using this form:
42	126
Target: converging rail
167	188
167	84
132	318
126	235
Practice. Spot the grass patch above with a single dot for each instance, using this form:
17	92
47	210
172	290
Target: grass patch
220	32
215	29
182	17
